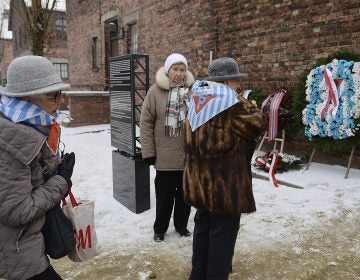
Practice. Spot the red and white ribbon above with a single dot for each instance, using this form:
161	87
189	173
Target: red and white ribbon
333	96
259	161
273	114
274	163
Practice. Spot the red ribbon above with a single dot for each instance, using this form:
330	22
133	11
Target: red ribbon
269	166
332	97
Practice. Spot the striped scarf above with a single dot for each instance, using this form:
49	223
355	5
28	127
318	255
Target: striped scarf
18	110
208	100
176	111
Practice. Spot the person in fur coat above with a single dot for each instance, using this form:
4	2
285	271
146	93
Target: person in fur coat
162	142
219	142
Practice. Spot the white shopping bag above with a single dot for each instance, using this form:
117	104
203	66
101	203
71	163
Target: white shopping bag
81	216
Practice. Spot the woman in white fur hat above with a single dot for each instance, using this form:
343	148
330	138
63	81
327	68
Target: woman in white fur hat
32	179
162	142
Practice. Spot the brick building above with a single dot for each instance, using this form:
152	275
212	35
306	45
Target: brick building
274	40
56	51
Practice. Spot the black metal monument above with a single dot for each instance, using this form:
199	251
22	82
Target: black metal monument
129	82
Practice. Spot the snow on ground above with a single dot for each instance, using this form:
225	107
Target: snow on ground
282	213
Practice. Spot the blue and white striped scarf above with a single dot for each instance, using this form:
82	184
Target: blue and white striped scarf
18	110
208	100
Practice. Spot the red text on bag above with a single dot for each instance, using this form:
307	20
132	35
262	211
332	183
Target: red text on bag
82	242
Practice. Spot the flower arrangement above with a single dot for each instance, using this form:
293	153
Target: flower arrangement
286	162
299	103
333	96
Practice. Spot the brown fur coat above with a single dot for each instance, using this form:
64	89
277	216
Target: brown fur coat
217	174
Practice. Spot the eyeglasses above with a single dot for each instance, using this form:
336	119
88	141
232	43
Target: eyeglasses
56	96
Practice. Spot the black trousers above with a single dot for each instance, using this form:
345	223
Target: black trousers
169	191
213	245
47	274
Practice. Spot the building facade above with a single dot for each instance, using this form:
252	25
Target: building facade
273	40
56	49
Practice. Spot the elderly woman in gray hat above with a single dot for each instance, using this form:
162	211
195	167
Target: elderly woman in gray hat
219	143
32	177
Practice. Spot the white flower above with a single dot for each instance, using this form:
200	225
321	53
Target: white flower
304	119
322	85
324	95
349	132
356	67
288	158
342	127
314	129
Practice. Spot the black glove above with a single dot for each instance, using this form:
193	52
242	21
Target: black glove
150	160
65	168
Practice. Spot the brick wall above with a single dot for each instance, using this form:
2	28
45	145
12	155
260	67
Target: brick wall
88	108
83	18
277	40
164	27
274	40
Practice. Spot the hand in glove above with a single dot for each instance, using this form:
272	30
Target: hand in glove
65	168
150	160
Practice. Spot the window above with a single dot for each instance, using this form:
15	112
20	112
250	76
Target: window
62	70
94	51
133	29
61	29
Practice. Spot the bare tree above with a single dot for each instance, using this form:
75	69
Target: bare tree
36	16
1	32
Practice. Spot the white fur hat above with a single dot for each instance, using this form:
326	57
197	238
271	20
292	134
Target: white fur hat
174	58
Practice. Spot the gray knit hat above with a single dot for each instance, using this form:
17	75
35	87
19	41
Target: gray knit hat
223	69
32	75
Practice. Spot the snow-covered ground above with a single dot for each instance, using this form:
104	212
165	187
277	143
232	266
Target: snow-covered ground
283	213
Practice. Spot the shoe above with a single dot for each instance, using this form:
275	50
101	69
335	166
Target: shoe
158	237
184	232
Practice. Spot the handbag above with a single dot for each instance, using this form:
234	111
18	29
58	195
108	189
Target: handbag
58	233
82	217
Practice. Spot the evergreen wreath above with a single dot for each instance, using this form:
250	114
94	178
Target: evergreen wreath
287	162
333	132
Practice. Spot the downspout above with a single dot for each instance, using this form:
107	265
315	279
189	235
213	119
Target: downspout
102	38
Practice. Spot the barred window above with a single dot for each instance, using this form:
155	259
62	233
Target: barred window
133	42
94	53
62	70
61	29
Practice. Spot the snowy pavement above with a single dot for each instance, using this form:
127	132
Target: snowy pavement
282	215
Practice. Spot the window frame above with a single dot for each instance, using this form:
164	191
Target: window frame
133	37
59	67
61	29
